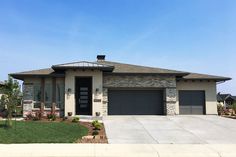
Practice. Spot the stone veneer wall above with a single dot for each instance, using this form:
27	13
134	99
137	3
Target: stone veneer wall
170	101
168	83
28	98
159	81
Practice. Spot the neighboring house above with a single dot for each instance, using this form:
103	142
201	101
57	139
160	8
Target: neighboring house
1	84
226	99
111	88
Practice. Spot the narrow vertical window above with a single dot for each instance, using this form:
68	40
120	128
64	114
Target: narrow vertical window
48	95
37	95
60	95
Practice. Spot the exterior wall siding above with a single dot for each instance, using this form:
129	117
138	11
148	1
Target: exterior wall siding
210	93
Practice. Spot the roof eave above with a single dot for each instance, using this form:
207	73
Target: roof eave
139	73
214	79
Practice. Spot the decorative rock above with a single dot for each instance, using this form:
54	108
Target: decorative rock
97	137
87	137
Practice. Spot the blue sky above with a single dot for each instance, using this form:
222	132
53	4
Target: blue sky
196	36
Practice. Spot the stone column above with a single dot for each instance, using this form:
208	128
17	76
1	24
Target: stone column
28	98
170	99
42	96
105	102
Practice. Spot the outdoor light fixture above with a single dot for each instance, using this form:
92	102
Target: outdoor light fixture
69	91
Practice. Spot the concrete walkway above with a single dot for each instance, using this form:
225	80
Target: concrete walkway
114	150
170	129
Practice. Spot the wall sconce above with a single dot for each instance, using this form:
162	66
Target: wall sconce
69	91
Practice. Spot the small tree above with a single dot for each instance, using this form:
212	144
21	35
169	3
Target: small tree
234	107
10	98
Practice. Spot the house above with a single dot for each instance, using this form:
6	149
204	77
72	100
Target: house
110	88
226	99
1	84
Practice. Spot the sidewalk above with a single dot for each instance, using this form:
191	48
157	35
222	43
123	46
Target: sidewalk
116	150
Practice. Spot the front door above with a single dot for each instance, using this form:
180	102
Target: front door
83	96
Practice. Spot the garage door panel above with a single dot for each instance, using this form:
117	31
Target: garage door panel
184	109
197	110
191	102
135	102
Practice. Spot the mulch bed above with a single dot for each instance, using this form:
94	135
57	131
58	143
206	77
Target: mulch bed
228	116
100	138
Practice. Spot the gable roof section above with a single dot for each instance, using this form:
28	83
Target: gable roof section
115	68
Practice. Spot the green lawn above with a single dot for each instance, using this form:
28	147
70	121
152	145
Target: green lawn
41	132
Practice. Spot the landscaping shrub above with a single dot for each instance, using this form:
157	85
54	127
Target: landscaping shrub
38	115
234	107
51	116
220	109
29	116
96	125
95	132
75	120
95	122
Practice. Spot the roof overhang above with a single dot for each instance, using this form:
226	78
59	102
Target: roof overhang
136	73
23	76
205	79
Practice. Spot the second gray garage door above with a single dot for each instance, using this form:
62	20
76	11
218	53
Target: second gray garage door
135	102
191	102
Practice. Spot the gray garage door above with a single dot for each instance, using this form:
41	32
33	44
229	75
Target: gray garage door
135	102
191	102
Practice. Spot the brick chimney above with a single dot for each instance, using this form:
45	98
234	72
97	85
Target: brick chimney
101	58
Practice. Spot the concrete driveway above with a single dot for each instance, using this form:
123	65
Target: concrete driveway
170	129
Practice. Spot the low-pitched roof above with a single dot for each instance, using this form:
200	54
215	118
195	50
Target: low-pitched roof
115	68
233	97
130	68
219	98
196	76
83	65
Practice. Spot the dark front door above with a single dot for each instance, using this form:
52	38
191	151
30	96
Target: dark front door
135	102
83	95
191	102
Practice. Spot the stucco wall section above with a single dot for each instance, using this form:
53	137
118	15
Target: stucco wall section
70	83
148	81
210	93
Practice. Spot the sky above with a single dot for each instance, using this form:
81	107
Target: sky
193	36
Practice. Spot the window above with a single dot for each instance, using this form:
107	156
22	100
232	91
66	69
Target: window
60	93
37	95
48	95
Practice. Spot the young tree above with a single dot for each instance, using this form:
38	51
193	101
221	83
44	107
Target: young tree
11	98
